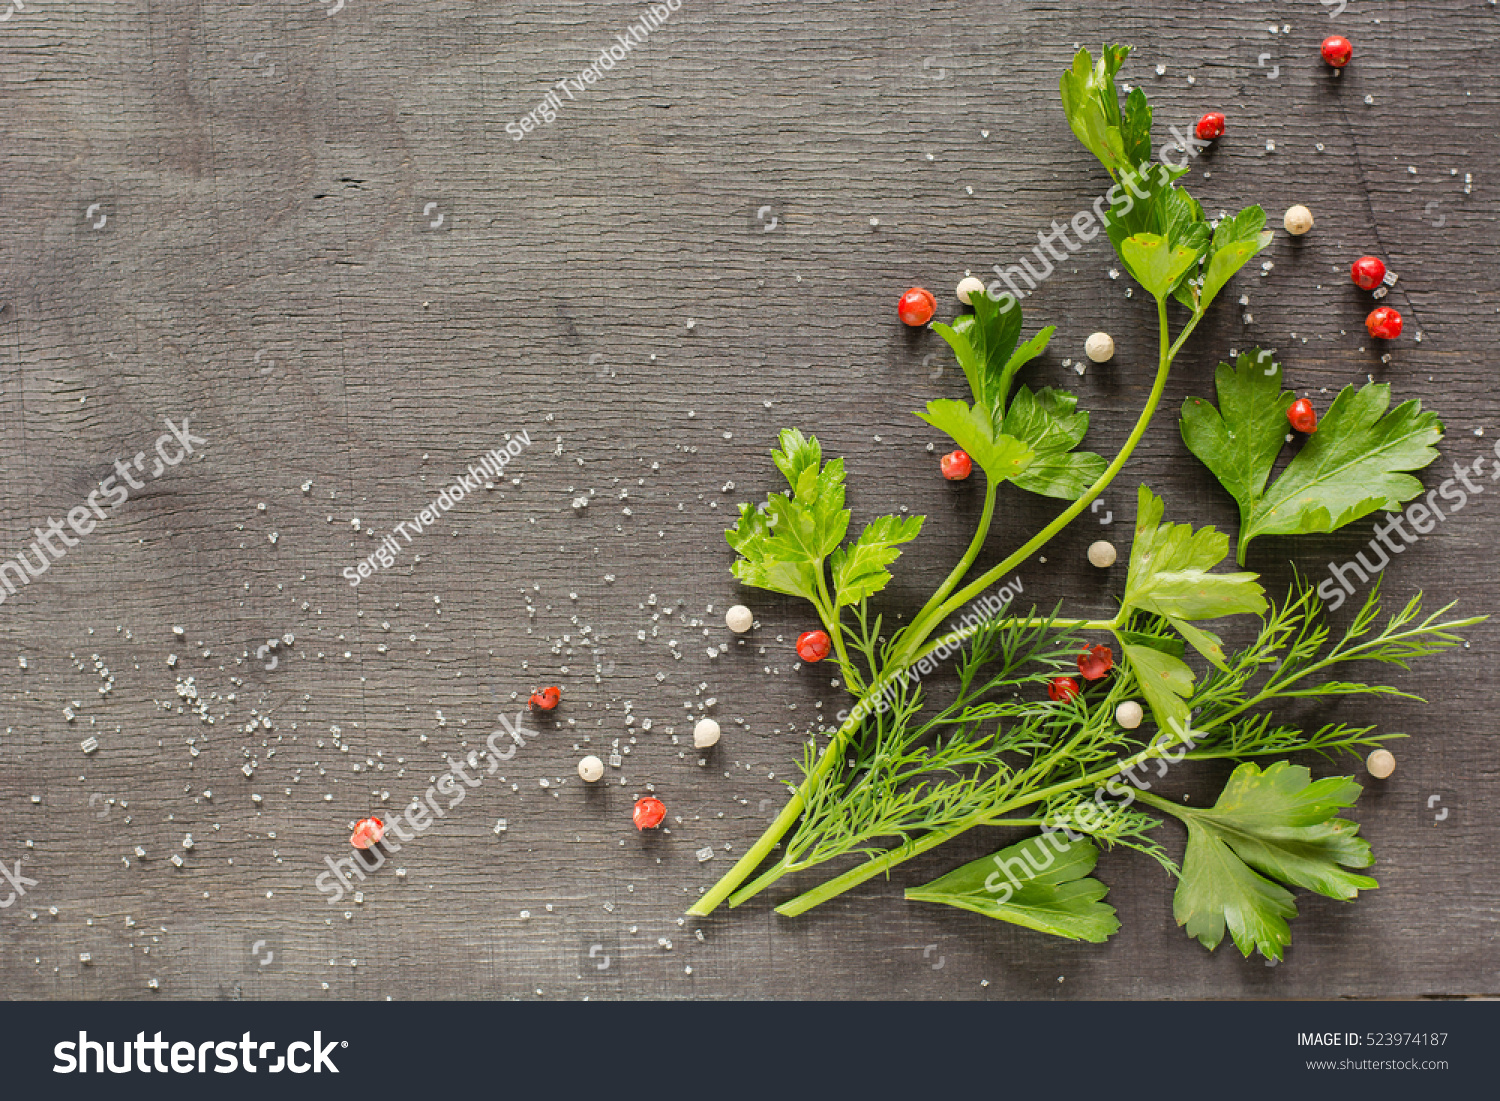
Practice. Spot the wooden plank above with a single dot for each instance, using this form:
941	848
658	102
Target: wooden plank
266	263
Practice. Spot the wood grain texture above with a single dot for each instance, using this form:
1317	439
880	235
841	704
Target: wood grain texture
268	267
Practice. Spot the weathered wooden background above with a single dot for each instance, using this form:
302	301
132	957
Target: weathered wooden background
304	227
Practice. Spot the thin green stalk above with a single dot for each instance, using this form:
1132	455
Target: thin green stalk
855	876
828	612
757	852
789	813
761	882
782	867
1164	364
991	489
1161	804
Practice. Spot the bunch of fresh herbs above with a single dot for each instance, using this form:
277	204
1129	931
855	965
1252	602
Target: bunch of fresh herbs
902	774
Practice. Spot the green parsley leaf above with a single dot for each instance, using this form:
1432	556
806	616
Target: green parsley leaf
1169	576
1021	357
1355	463
1000	456
1156	263
1155	639
1180	217
782	547
1136	127
1235	241
1041	883
1158	229
1165	681
1050	422
1239	441
796	455
1266	826
859	569
984	342
1031	443
1092	105
758	566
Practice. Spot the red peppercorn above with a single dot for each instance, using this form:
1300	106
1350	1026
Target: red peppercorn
1384	323
1337	50
956	465
813	645
917	307
1062	689
367	832
1210	126
1367	272
545	699
1094	662
1303	416
648	813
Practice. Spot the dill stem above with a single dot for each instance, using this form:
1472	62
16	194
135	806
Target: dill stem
768	877
990	817
789	813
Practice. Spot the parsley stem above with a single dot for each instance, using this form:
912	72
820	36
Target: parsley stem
828	611
991	488
1165	805
927	621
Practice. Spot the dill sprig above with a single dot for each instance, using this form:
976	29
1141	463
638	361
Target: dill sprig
1076	748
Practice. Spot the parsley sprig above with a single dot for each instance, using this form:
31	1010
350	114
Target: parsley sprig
1269	829
795	541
